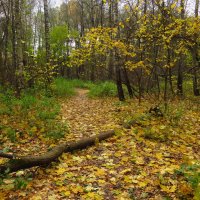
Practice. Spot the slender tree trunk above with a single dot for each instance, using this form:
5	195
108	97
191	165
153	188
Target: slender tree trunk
110	54
92	21
4	47
197	8
167	76
47	37
165	89
180	78
196	62
171	81
102	13
19	51
156	75
14	53
181	61
1	66
140	86
158	84
195	84
92	76
116	60
119	83
82	19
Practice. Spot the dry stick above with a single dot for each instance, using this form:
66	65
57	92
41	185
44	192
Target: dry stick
23	162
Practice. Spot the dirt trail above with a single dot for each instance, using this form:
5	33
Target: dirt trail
124	167
86	116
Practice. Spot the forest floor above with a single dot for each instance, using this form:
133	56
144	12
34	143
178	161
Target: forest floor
138	163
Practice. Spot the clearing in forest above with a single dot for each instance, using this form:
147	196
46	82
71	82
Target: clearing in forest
142	162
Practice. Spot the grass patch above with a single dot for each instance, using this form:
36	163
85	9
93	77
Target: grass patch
105	89
77	83
34	114
62	88
27	101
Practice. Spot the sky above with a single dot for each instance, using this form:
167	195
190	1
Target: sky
190	4
56	3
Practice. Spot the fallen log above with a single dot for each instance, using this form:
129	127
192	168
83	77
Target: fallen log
24	162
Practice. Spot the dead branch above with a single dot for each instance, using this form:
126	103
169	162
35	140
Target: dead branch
23	162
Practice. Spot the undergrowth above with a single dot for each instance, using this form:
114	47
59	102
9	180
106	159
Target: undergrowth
36	112
105	89
33	114
62	87
78	83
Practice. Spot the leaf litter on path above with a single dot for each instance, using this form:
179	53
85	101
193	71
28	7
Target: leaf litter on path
127	166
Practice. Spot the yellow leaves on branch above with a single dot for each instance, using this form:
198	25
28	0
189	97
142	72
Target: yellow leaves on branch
138	65
99	42
171	35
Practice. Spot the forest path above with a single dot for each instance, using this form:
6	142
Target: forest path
134	163
86	116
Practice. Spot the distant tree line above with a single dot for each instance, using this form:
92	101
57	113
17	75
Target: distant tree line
148	46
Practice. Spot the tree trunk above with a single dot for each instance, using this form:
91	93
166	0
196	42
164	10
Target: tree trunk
23	162
19	52
110	53
170	81
102	13
127	82
116	57
196	91
47	38
14	53
165	89
181	61
119	84
180	78
4	69
82	19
